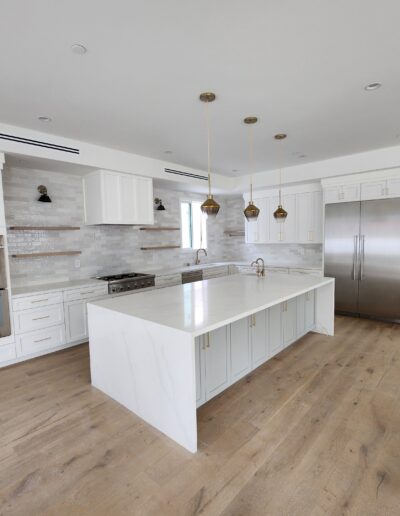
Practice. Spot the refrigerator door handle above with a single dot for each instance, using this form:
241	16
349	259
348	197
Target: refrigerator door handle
355	257
362	254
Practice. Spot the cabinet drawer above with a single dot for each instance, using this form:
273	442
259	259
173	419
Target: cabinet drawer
168	281
36	301
36	341
36	319
86	293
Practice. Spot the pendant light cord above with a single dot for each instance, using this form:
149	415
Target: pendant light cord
208	147
250	150
280	173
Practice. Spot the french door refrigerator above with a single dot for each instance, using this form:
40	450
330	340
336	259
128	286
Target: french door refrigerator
362	253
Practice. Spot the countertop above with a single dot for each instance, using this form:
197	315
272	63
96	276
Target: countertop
48	287
197	308
66	285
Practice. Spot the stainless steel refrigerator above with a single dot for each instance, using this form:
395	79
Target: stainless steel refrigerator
362	253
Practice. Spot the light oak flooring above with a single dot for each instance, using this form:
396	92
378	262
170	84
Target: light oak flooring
314	431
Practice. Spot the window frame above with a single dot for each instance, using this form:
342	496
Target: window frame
190	201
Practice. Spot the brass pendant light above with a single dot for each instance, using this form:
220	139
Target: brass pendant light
280	213
210	207
251	211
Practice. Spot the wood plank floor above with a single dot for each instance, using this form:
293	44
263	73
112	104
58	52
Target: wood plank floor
314	431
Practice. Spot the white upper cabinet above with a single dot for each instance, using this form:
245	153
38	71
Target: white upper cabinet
309	217
302	225
116	198
366	186
342	193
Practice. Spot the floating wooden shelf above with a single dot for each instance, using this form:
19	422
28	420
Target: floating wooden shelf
160	228
160	247
49	253
234	232
44	228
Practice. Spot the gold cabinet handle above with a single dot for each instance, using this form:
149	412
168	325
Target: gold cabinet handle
38	318
208	340
254	319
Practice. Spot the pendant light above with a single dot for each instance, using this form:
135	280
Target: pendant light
210	207
251	212
280	214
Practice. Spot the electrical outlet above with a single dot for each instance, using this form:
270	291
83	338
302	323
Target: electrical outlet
77	263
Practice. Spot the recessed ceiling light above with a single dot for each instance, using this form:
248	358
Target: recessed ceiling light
372	86
78	49
302	156
44	118
168	152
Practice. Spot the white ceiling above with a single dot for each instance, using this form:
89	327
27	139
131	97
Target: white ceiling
300	66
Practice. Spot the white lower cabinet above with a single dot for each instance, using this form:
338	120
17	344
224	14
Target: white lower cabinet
37	341
217	377
275	330
289	321
240	348
76	320
259	337
225	355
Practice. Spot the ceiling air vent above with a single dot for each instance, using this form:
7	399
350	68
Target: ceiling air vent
38	143
186	174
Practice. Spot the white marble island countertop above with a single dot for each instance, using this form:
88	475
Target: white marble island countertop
197	308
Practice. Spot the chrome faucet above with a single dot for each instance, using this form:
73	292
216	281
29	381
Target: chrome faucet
197	255
259	263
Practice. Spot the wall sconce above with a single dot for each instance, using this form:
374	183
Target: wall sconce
43	194
159	204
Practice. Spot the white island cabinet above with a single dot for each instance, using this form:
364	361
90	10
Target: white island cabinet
165	352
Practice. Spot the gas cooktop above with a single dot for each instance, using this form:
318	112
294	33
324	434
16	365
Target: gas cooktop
128	281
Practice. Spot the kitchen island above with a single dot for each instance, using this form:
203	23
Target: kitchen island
165	352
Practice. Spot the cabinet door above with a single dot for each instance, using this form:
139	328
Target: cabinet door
309	310
351	193
286	231
259	338
316	218
289	321
301	319
393	187
342	193
275	329
304	202
251	232
373	190
111	198
76	321
199	357
240	349
217	361
144	201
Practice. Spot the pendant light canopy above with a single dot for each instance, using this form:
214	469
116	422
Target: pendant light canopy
251	212
210	207
280	213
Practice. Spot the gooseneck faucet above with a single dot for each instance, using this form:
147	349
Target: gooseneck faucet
259	263
197	255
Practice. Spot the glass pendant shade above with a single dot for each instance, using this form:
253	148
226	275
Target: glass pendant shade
251	212
210	207
280	214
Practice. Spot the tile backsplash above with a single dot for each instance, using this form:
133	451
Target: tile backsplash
113	249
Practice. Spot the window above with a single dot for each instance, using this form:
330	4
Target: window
193	224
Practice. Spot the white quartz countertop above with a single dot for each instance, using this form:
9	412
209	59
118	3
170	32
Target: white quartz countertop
86	282
63	285
197	308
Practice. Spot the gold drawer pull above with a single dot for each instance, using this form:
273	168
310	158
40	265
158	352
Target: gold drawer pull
42	340
40	300
38	318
